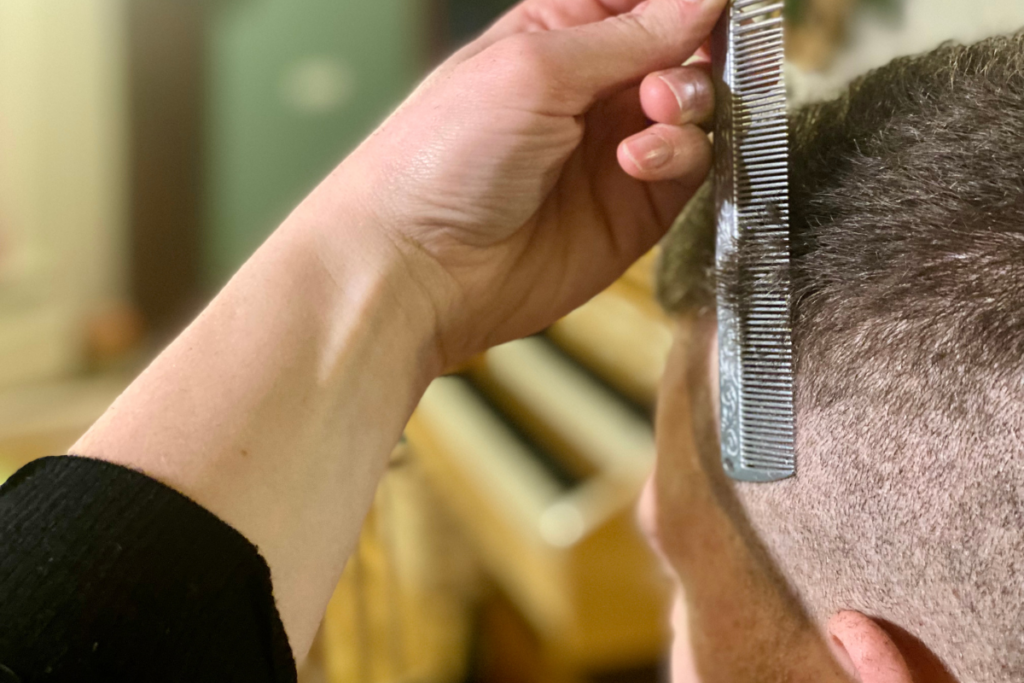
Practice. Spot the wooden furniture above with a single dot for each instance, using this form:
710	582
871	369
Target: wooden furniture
46	419
539	451
403	609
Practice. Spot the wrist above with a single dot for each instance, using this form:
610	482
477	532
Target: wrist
369	281
278	407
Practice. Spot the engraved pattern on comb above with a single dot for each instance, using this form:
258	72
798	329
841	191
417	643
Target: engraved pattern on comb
752	200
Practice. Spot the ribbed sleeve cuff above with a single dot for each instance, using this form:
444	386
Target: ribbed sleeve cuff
109	575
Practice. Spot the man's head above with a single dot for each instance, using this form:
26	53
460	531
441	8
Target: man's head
908	327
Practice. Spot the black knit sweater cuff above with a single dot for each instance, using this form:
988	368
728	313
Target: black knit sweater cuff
108	575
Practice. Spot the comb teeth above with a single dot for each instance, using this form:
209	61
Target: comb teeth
752	196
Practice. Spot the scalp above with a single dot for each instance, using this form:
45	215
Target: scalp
908	326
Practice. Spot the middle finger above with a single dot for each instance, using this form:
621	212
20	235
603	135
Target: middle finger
679	96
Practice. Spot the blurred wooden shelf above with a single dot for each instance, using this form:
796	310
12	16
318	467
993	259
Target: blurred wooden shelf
568	553
402	612
46	419
539	450
621	335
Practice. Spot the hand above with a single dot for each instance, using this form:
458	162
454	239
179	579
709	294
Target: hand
486	207
521	179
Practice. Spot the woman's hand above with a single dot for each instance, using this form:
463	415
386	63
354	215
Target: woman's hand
521	178
491	203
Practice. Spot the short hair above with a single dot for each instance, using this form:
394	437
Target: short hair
907	244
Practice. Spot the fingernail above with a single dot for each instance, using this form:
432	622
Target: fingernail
649	152
685	93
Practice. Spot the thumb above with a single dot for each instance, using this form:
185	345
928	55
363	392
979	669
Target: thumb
594	60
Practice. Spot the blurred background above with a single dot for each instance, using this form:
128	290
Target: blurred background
147	147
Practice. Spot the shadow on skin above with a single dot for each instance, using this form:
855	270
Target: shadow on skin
926	666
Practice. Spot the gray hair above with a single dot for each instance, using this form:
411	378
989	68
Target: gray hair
908	329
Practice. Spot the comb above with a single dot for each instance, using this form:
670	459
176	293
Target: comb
752	204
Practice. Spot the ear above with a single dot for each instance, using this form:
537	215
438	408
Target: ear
866	651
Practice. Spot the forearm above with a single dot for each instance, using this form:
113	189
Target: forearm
277	408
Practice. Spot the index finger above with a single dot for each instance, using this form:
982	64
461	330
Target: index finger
546	15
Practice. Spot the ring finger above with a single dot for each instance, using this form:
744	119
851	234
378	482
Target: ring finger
664	152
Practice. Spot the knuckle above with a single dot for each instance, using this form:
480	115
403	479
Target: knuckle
523	59
637	27
683	11
646	39
523	69
630	22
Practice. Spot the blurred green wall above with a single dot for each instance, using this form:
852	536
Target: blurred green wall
294	85
467	18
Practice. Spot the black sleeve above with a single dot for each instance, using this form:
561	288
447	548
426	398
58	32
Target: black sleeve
108	575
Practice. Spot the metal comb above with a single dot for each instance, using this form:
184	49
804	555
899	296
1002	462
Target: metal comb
752	203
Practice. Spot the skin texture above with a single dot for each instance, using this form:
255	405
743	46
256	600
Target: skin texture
488	234
735	619
513	185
